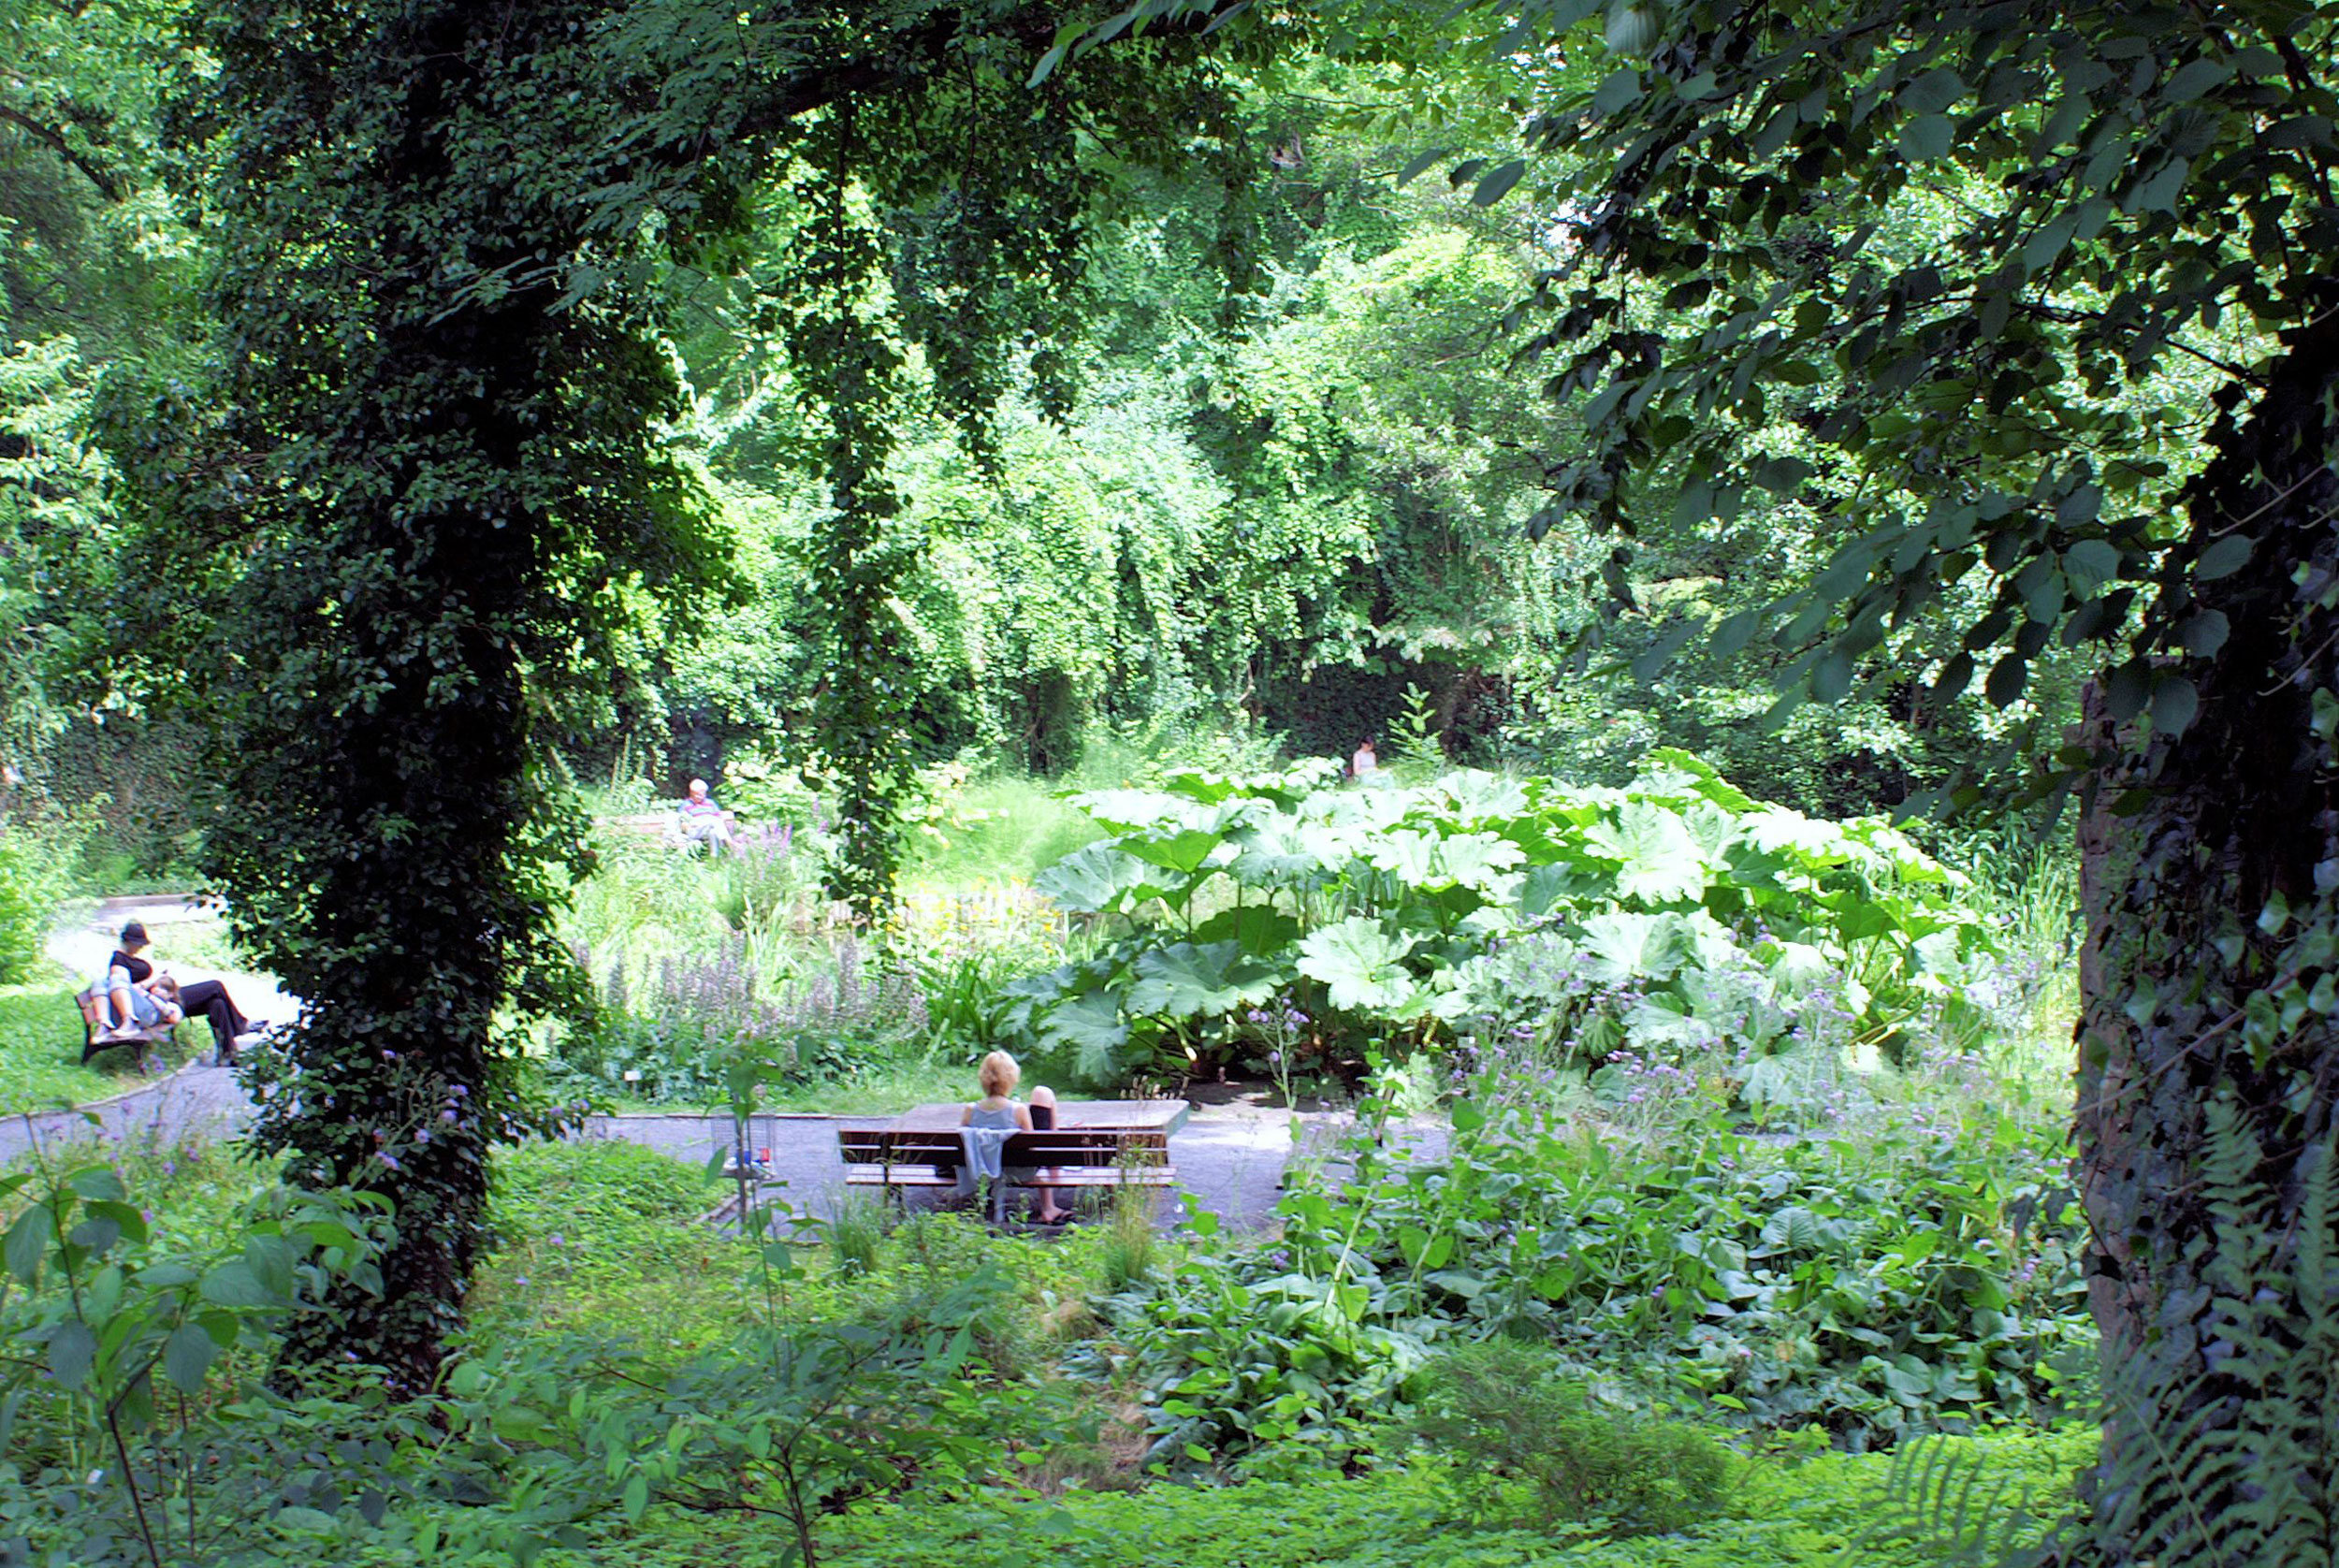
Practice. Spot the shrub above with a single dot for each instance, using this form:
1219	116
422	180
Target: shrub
27	899
1499	1412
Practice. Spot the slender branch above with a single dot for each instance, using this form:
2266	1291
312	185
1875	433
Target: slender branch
108	184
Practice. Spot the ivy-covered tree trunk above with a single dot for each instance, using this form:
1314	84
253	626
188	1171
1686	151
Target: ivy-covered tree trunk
448	476
2209	1062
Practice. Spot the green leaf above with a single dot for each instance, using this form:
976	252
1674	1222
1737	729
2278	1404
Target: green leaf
2007	678
1135	810
72	1351
1258	929
1622	946
1497	185
2204	633
2090	563
2160	192
1662	864
1734	633
1421	163
1097	879
234	1284
1362	964
2194	78
27	1243
2175	704
1188	979
1928	139
187	1356
2224	558
1088	1026
1184	851
98	1182
1480	861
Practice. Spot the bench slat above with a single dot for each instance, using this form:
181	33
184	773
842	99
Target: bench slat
899	1176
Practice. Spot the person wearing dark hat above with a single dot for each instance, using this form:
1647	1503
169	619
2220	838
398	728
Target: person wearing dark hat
129	987
128	976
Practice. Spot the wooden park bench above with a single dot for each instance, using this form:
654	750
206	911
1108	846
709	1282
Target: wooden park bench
659	824
98	1034
895	1160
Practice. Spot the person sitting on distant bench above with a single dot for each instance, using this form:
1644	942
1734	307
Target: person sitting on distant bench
701	821
144	995
997	1076
131	1002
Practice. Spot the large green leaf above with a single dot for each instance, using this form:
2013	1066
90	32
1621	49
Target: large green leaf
1815	845
1409	856
1185	850
1621	946
1201	979
1659	861
1362	964
1273	852
1261	930
1097	879
1477	860
1091	1028
1476	798
1670	769
1136	811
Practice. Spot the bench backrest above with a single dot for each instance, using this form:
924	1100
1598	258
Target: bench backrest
884	1146
1061	1146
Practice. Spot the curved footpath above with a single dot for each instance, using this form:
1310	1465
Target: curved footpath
1230	1156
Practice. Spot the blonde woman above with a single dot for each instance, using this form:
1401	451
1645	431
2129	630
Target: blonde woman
997	1076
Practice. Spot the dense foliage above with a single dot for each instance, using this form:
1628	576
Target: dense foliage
427	532
1282	917
839	389
1900	1276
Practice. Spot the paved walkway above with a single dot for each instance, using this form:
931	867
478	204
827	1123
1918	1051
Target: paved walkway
1230	1156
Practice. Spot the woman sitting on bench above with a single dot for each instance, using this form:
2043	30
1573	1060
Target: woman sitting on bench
138	997
134	999
997	1076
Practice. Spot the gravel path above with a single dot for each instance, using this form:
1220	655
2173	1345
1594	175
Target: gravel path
1230	1156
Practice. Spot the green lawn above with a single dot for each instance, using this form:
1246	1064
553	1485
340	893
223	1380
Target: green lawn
41	1048
885	1087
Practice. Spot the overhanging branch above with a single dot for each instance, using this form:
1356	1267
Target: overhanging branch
108	184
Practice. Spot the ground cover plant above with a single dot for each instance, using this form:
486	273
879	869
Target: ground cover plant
1913	1274
619	1401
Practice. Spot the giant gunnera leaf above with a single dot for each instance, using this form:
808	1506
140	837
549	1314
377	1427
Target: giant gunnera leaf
1662	864
1090	1029
1097	879
1621	947
1360	962
1191	979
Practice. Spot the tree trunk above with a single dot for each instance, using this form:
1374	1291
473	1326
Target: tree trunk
2208	1056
